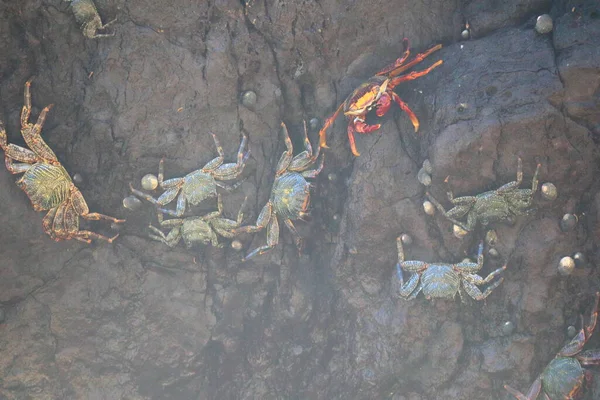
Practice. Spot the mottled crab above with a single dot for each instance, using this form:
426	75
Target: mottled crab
46	182
201	230
290	194
377	93
86	14
563	378
442	280
503	204
198	185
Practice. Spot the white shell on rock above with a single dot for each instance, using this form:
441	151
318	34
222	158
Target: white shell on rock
544	24
149	182
549	191
428	207
566	265
132	203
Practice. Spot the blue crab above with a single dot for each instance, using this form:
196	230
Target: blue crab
503	204
441	280
563	378
202	229
198	185
290	194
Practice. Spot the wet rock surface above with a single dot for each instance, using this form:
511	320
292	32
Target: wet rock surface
138	320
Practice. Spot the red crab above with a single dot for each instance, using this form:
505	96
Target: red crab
378	93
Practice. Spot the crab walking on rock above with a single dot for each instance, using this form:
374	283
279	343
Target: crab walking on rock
443	280
46	182
202	229
290	194
377	94
86	14
563	377
198	185
501	205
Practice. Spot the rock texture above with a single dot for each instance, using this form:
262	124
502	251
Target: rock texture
138	320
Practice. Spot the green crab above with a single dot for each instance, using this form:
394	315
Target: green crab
563	378
198	185
86	14
503	204
441	280
46	182
202	229
290	194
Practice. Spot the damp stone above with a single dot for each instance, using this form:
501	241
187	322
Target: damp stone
543	24
313	123
508	328
149	182
549	191
249	98
568	222
78	178
566	265
428	207
580	259
132	203
424	177
427	167
406	239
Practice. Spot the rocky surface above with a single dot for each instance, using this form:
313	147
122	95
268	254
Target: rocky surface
138	320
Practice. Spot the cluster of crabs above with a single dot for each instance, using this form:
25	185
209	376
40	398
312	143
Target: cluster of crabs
50	188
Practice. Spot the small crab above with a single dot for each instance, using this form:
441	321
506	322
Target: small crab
86	14
377	93
46	182
198	185
202	229
503	204
563	378
441	280
290	194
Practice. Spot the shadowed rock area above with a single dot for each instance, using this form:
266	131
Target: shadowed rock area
139	320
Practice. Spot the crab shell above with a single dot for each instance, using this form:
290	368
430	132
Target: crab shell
199	186
46	185
365	96
196	230
290	195
563	378
440	281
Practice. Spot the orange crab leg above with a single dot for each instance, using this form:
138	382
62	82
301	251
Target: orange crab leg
413	75
407	110
328	122
418	58
351	139
398	62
